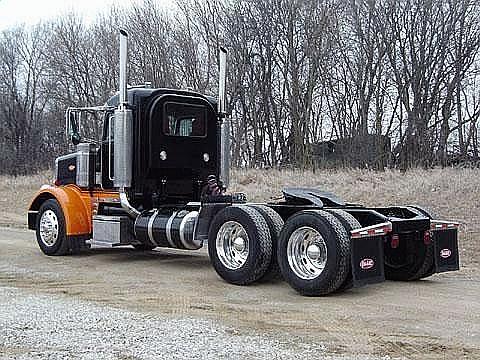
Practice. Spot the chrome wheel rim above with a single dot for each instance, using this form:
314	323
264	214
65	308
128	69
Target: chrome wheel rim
48	228
307	253
232	245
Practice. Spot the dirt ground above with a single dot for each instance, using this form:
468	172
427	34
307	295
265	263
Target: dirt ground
437	318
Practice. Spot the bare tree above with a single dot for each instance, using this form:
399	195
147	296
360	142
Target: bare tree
300	72
22	66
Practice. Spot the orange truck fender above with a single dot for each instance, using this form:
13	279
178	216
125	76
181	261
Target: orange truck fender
77	207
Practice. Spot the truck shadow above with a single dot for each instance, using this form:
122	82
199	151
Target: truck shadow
185	258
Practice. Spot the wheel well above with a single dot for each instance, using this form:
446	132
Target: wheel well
35	206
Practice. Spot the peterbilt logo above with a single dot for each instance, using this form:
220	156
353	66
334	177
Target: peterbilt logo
71	167
367	263
445	253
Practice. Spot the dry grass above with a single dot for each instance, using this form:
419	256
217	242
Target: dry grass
449	193
16	194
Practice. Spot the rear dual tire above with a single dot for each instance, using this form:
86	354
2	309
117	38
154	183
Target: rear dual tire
313	247
413	260
428	267
349	223
275	225
240	244
314	252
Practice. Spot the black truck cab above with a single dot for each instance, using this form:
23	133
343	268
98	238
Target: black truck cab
175	145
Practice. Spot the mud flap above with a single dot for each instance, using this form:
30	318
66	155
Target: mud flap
445	245
367	260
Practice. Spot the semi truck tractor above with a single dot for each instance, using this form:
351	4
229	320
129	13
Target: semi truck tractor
159	177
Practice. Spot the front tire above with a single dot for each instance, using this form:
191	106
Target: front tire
239	244
51	230
313	252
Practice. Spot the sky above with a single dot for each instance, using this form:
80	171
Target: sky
30	12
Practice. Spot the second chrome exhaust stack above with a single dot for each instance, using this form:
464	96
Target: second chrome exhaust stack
222	82
222	114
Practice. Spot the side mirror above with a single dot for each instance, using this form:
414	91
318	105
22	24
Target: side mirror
76	139
74	133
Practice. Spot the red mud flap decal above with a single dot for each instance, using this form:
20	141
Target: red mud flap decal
366	249
445	245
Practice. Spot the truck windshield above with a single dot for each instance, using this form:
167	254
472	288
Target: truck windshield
184	120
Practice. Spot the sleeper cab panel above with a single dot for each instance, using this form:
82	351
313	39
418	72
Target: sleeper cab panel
182	152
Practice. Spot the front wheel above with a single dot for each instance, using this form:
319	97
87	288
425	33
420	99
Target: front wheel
239	244
51	230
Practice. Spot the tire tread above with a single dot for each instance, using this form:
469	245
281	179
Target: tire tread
275	225
260	261
68	245
350	223
337	272
264	257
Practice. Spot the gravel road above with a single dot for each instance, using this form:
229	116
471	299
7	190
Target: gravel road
166	304
40	326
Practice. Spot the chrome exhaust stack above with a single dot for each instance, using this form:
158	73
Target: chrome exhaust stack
123	138
222	114
123	100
